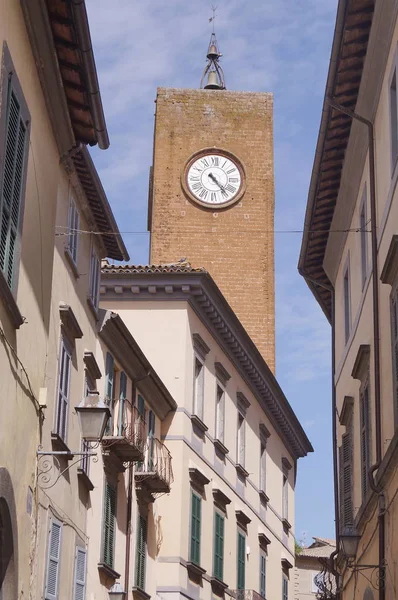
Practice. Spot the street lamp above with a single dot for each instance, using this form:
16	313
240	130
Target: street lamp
93	416
349	539
116	592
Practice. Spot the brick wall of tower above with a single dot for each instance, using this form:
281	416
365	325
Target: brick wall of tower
236	244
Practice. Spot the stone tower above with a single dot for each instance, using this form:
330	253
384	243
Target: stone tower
212	194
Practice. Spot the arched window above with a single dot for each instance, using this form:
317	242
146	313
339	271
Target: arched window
7	575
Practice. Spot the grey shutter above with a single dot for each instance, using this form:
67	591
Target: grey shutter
94	278
262	574
64	372
53	558
73	226
199	388
80	574
346	481
12	184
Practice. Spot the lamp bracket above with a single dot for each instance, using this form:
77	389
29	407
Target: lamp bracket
49	469
377	576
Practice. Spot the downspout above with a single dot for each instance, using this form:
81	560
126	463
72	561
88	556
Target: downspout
376	337
334	434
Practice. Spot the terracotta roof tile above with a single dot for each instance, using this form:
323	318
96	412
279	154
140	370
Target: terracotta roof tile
144	269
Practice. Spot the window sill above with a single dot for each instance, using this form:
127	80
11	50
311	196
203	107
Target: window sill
10	303
241	471
92	307
140	593
72	263
198	423
195	570
218	586
220	447
58	444
108	571
263	497
85	479
286	524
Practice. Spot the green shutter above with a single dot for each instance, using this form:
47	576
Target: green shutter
140	556
218	566
12	185
262	574
108	545
241	561
195	528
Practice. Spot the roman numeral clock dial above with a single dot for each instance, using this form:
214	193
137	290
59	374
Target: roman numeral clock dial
214	179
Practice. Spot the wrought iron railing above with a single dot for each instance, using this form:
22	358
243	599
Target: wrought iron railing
157	461
247	595
131	426
325	581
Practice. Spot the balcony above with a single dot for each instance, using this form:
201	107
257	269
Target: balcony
154	475
128	445
246	595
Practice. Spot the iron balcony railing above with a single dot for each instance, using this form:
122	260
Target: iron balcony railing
127	437
247	595
156	464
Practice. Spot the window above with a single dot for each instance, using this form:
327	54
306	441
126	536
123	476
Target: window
285	497
262	573
220	412
394	339
347	303
108	532
140	566
345	462
365	436
90	384
73	227
80	574
218	563
263	459
363	224
285	587
393	119
64	371
151	441
94	283
196	507
53	558
109	390
314	587
241	555
122	399
240	458
198	389
14	153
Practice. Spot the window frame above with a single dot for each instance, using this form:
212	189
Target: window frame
73	225
241	439
79	582
48	595
394	346
194	539
109	547
363	218
141	556
285	494
347	301
65	351
219	430
263	573
218	545
8	79
94	279
365	433
198	387
285	584
240	576
393	113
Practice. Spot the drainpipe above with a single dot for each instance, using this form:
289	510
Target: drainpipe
334	434
376	336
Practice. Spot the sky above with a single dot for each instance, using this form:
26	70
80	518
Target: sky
279	46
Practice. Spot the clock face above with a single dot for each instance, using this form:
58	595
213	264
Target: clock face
214	179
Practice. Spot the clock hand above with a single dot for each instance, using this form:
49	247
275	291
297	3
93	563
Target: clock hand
216	181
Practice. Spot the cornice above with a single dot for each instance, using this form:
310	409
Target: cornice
200	291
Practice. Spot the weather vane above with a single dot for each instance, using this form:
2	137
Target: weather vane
213	70
213	18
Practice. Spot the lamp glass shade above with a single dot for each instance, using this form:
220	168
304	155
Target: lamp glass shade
93	416
349	542
116	592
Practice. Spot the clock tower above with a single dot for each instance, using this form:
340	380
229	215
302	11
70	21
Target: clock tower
212	193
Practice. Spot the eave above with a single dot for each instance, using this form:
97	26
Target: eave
61	43
196	287
350	42
129	355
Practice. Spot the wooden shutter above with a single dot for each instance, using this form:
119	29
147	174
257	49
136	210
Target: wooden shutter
394	336
241	561
73	226
365	439
80	574
346	480
12	184
262	574
53	558
109	525
195	528
218	566
109	386
141	553
64	371
95	271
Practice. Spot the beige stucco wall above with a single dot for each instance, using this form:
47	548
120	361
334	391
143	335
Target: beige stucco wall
362	324
164	332
305	570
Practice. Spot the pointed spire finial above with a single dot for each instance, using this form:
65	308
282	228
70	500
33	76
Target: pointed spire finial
213	69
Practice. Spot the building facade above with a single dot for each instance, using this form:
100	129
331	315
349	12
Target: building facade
311	572
352	273
227	526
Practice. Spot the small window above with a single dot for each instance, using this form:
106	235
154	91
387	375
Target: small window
285	497
73	227
393	119
363	226
240	459
140	566
196	516
365	437
94	283
314	587
53	559
220	414
347	304
64	373
15	124
263	461
285	587
198	399
241	561
80	574
109	530
218	564
263	564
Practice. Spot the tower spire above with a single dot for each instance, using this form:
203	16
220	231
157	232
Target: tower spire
213	70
